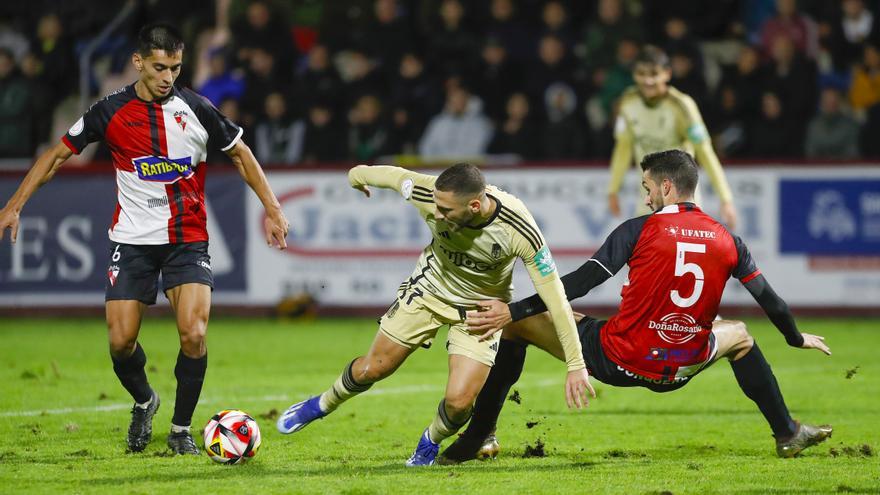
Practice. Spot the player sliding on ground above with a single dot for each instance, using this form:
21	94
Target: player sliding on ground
478	232
663	334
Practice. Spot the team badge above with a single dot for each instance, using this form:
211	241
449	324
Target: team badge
496	250
180	118
112	274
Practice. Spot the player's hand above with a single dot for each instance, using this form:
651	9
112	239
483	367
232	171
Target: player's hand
491	317
9	219
576	385
815	342
363	189
276	227
613	204
728	215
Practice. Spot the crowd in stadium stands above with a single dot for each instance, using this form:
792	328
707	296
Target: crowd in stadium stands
324	81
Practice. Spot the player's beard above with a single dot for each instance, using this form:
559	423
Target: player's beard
453	226
456	226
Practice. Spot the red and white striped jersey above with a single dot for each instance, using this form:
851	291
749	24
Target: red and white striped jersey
158	151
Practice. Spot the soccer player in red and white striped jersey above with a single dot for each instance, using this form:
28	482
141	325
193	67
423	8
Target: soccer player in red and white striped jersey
159	137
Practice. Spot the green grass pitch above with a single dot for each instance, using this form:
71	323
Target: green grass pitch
63	418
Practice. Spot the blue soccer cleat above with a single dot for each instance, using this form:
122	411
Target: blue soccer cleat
299	415
425	452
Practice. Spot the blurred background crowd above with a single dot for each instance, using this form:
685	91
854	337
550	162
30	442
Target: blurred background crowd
354	80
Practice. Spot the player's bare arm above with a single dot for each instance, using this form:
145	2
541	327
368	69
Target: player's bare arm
276	224
40	173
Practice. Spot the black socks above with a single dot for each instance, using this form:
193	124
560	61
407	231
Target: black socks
756	379
190	374
132	375
508	366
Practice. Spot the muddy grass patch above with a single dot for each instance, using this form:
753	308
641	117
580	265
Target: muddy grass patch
863	450
537	450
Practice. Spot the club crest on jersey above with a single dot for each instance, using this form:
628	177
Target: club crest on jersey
496	250
180	118
163	169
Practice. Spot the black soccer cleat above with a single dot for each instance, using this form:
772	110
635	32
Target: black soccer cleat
468	447
182	443
140	431
806	436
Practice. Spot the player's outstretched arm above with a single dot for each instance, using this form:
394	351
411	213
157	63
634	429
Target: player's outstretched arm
40	173
276	225
406	182
778	312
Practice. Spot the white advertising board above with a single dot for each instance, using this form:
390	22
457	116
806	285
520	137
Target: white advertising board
348	250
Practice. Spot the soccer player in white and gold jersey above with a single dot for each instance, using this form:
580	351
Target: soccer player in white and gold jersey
654	116
478	233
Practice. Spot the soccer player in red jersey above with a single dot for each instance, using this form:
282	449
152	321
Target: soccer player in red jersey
663	334
158	136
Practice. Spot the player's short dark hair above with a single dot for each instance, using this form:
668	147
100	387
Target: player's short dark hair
461	178
159	36
652	55
675	165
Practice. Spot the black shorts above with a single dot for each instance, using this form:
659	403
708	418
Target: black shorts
607	371
133	271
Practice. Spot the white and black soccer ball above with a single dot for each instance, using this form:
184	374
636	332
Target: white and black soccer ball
231	437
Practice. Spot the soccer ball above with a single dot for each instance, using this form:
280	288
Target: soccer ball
231	437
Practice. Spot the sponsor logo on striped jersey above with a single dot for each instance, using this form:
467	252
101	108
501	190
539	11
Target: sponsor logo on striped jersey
163	169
